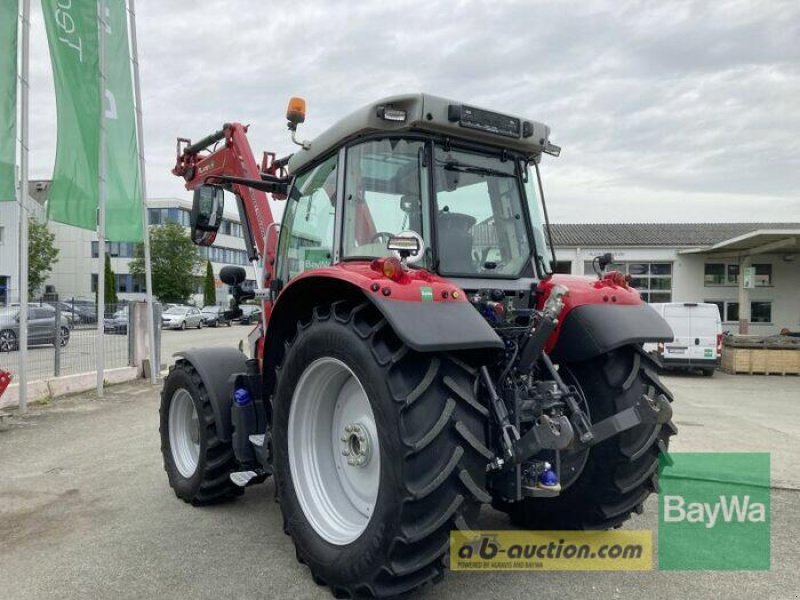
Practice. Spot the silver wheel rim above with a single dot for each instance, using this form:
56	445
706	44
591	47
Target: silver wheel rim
64	336
7	341
334	452
184	432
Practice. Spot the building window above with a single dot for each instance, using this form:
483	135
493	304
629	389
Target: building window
763	275
761	312
721	274
563	266
653	280
2	234
714	274
94	283
116	249
3	290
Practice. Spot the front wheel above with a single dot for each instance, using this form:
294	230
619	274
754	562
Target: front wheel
379	453
197	462
607	483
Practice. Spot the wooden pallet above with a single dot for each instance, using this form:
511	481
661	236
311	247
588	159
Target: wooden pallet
762	361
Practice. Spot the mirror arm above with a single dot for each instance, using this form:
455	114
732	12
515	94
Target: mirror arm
267	183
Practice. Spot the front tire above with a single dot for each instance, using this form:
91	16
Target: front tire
197	462
619	474
423	466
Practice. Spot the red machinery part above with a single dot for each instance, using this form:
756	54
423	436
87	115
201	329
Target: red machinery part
5	380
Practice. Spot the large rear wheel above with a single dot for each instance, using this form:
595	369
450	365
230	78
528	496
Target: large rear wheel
609	482
379	453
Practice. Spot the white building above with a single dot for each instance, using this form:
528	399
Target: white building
698	262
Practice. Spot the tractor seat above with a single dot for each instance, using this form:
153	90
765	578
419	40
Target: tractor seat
455	241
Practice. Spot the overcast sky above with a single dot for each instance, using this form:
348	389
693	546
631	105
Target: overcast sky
666	111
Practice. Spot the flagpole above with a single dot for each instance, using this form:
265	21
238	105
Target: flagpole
101	204
148	274
23	211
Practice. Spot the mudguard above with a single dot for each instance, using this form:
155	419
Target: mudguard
216	367
427	312
438	326
593	329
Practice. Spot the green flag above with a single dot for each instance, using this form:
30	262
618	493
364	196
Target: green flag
8	99
72	35
124	196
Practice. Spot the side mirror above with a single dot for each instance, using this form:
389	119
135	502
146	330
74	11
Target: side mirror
232	275
206	216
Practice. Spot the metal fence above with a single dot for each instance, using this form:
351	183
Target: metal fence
62	338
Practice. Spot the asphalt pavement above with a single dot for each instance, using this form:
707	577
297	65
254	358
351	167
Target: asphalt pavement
86	512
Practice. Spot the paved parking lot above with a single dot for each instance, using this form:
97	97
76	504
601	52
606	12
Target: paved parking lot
85	510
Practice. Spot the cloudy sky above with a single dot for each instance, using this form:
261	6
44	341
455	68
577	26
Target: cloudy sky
666	111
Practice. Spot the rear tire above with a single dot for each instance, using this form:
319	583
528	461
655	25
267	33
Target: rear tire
197	462
708	372
430	440
620	473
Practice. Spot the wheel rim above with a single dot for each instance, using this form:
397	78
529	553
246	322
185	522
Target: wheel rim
184	432
7	341
64	336
334	451
573	463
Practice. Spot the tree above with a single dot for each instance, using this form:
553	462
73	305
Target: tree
42	254
174	262
110	292
209	288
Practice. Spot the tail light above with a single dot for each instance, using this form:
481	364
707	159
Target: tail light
719	344
389	267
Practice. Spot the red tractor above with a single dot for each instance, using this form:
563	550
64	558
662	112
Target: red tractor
416	356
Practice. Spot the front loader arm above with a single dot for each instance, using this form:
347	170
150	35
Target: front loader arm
234	159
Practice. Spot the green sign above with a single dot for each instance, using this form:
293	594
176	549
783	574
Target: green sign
714	512
316	258
8	100
426	293
72	34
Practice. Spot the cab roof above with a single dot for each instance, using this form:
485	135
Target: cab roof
426	113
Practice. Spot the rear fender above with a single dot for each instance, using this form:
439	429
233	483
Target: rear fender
216	367
419	311
600	315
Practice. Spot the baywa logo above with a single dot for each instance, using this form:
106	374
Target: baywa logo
714	512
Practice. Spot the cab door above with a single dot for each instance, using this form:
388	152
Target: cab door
306	236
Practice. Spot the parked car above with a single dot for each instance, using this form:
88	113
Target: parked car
250	314
78	314
117	323
698	336
214	316
181	317
41	327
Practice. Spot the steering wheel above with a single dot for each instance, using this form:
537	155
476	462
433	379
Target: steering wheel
381	234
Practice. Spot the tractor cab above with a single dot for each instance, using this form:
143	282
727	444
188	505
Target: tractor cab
460	181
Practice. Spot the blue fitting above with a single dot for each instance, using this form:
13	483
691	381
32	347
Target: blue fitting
241	397
548	477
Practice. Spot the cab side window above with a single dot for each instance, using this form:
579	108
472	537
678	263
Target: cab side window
306	240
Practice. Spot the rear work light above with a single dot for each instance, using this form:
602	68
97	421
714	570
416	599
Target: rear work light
390	267
719	344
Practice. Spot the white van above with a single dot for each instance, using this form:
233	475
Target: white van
697	327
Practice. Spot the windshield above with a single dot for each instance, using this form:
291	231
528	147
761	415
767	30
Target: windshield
176	310
384	195
481	226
